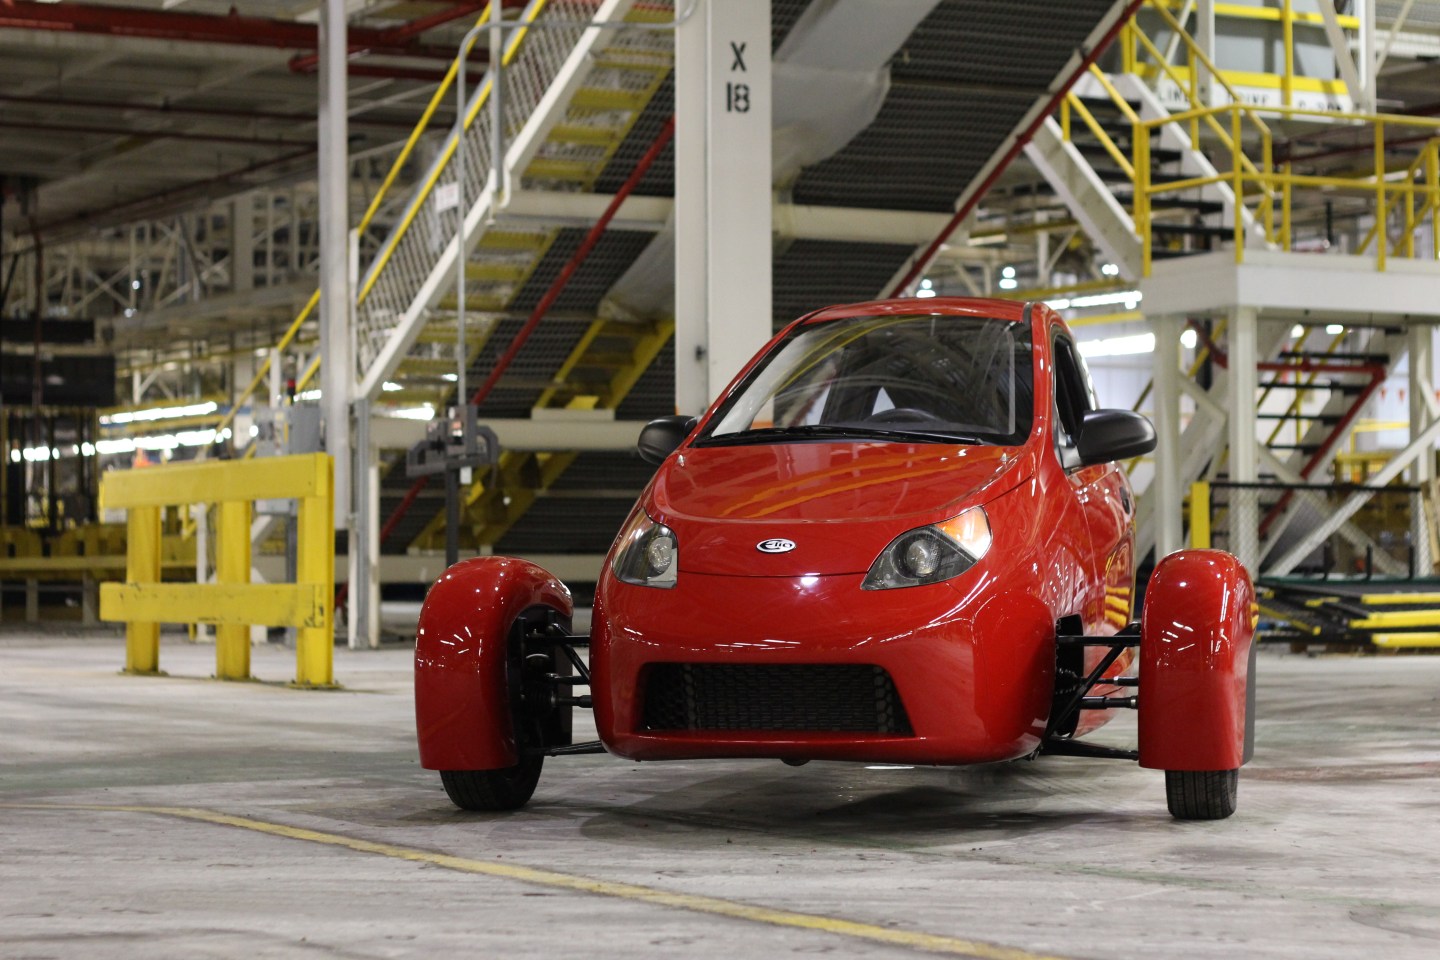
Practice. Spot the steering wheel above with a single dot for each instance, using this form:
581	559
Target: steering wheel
901	415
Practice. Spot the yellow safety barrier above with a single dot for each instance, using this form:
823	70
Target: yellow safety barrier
233	603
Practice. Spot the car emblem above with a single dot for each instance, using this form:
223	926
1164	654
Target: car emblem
775	545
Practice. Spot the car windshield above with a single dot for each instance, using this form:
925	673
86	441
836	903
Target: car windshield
919	378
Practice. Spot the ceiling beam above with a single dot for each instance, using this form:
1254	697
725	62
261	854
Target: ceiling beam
231	29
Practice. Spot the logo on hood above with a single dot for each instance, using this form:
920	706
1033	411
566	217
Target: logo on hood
775	545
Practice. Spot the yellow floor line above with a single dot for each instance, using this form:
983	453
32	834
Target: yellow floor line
929	942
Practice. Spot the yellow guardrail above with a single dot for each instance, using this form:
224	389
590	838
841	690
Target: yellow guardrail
233	603
1409	193
1414	188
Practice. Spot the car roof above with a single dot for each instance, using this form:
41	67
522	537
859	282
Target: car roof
953	306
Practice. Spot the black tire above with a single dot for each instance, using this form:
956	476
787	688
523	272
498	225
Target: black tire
1201	794
532	711
507	789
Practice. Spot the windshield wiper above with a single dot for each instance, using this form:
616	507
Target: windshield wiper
831	431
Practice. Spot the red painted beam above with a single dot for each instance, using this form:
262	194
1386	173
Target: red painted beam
104	131
113	107
232	28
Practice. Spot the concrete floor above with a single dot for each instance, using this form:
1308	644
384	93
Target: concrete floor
1335	851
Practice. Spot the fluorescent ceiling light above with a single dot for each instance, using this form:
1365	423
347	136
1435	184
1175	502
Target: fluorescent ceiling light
159	413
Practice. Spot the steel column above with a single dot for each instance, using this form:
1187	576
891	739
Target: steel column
1421	349
722	195
1244	513
337	372
364	558
1168	505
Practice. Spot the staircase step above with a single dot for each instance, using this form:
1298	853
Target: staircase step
595	98
595	136
1349	389
1329	419
1094	148
1320	355
513	240
577	171
498	272
1192	230
1204	207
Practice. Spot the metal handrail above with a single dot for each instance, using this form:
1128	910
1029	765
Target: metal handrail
1419	179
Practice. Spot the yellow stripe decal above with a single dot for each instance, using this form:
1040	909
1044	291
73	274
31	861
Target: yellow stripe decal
929	942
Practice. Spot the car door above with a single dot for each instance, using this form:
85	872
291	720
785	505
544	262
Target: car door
1102	494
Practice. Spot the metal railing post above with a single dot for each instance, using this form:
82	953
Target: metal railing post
232	566
1382	230
142	565
1200	515
1237	161
1142	195
315	563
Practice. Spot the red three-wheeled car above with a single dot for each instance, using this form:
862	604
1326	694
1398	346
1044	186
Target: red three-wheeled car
902	534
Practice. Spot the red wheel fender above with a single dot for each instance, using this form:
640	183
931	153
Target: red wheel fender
462	715
1197	689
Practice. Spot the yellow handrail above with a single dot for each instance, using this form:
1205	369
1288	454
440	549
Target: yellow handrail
1079	107
1414	195
381	194
451	143
1195	51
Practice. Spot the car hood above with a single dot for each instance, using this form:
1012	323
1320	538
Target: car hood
839	503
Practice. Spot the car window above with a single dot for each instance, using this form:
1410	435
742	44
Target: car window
1074	395
953	377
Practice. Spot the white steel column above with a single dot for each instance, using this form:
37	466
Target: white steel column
722	195
1244	509
1168	495
1421	342
1205	39
1364	11
337	366
363	561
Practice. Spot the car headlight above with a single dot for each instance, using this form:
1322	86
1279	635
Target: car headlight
649	554
931	554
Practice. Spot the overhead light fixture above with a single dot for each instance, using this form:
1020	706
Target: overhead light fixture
158	413
1335	329
1188	339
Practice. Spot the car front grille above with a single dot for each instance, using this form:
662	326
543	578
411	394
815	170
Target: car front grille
800	698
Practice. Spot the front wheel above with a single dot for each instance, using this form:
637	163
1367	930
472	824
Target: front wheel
1201	794
507	789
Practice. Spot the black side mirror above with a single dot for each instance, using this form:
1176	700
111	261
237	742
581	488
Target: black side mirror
659	438
1110	435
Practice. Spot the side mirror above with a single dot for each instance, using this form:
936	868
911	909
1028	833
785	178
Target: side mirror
659	438
1110	435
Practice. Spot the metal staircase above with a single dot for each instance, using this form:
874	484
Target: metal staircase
570	94
597	349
